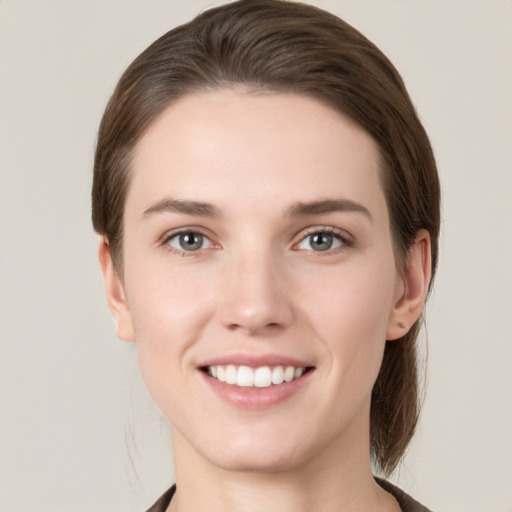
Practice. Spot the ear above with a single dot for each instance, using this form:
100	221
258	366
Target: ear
114	289
413	289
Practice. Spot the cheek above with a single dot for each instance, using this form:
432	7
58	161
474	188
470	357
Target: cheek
350	314
169	312
358	298
164	297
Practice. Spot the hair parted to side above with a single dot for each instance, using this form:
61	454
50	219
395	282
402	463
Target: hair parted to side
284	46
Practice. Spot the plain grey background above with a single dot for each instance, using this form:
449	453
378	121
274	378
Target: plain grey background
77	430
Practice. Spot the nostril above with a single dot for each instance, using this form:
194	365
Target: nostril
256	312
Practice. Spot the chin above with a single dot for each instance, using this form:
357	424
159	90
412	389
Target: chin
260	453
257	463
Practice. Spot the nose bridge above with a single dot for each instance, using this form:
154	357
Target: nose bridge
257	297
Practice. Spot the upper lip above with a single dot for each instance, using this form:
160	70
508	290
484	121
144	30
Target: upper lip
256	361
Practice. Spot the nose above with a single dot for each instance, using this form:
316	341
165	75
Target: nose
257	298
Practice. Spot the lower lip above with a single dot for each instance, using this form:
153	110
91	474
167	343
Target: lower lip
253	397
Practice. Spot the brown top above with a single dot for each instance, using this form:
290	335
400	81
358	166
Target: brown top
407	504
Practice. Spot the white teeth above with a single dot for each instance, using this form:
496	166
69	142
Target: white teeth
221	373
289	373
262	377
231	374
245	377
278	375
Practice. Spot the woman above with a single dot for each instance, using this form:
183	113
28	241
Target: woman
268	205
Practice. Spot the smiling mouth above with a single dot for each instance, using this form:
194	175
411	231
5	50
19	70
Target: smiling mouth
260	377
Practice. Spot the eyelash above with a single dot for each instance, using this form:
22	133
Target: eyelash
166	239
342	236
345	240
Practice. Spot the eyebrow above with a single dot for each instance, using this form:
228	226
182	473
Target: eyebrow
328	206
298	209
195	208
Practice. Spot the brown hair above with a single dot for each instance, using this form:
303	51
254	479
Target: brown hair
288	47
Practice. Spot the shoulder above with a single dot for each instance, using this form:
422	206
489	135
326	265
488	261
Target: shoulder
164	501
407	504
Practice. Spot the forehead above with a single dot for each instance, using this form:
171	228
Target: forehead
231	145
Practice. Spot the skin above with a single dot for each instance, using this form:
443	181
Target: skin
258	287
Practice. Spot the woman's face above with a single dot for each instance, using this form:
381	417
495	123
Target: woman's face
257	239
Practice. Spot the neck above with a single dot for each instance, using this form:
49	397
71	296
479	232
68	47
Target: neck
337	478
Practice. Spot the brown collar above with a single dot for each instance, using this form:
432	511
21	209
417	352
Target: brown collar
407	504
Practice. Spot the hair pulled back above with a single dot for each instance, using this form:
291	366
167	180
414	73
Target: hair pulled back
288	47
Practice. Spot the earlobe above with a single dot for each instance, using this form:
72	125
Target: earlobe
416	281
115	293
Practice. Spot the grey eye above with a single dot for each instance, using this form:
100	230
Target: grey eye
320	242
189	241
